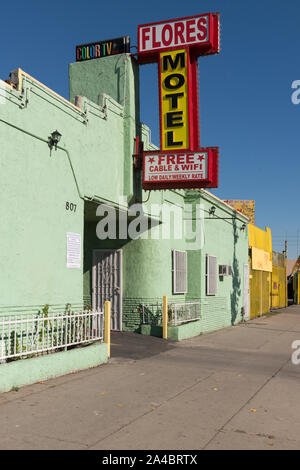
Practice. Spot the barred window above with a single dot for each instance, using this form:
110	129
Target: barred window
179	272
211	275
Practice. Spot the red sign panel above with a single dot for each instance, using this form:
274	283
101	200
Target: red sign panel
200	33
175	45
165	170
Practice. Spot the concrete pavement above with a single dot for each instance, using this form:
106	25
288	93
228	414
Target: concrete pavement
232	389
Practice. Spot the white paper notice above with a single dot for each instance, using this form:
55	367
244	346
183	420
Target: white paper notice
73	250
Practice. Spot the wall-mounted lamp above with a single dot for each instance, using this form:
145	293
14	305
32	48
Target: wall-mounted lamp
243	227
54	139
212	210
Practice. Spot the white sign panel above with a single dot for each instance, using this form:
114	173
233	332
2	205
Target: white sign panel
73	250
175	167
177	33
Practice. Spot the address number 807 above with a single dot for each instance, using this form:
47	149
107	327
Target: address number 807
70	206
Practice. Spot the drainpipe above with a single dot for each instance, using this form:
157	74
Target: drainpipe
73	171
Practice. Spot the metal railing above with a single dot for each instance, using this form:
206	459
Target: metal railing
183	312
178	313
152	313
28	335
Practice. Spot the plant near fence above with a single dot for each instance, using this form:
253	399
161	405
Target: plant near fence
151	313
29	335
46	324
14	345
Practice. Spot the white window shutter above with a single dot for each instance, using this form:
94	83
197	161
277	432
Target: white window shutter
211	275
179	272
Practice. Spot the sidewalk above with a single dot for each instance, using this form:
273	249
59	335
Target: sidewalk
232	389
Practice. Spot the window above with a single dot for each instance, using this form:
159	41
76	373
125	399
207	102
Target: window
211	275
225	270
179	272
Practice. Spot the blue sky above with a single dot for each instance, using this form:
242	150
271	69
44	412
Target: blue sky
245	91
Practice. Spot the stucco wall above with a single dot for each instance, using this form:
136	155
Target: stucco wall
36	184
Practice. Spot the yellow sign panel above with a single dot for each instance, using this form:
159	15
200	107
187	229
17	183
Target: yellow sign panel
174	100
246	207
261	260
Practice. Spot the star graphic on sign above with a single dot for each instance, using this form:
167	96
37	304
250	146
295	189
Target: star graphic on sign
151	160
201	158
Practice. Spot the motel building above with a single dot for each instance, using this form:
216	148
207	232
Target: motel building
78	229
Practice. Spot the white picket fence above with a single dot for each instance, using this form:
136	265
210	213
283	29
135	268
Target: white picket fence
34	334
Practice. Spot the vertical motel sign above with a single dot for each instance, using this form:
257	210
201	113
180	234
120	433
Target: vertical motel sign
176	45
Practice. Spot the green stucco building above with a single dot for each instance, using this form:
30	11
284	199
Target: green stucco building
53	200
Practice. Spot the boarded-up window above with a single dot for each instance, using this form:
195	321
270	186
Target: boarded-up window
211	275
179	272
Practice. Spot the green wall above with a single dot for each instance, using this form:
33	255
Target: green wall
147	266
93	164
36	183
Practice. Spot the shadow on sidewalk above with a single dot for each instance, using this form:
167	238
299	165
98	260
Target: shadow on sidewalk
133	346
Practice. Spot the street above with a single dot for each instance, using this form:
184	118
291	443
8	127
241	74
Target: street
235	388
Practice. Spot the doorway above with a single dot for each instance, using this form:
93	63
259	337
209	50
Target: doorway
107	284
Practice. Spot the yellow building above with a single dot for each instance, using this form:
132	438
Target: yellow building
267	268
295	276
279	281
296	287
